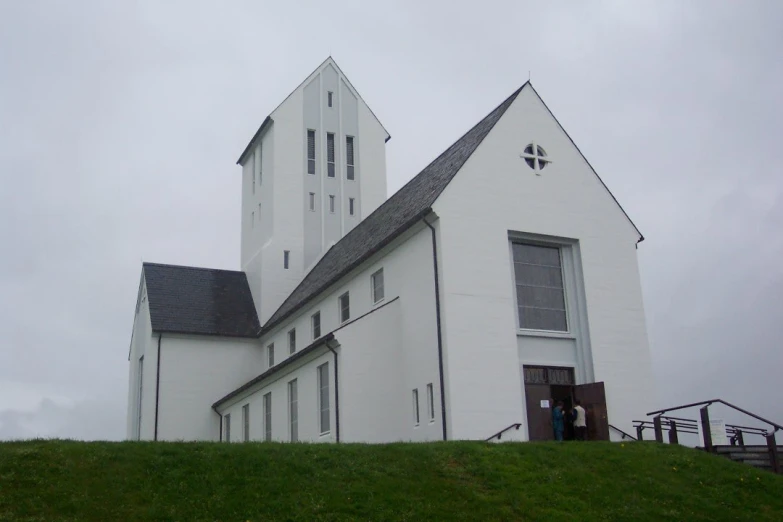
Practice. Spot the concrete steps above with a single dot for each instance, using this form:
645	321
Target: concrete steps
756	456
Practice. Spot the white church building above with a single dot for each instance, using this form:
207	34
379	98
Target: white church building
500	279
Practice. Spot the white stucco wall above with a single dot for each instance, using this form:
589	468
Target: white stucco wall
305	373
195	372
383	355
143	343
494	193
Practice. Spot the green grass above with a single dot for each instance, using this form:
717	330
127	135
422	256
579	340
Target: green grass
64	480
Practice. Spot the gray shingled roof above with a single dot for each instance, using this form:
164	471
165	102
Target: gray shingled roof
185	299
405	208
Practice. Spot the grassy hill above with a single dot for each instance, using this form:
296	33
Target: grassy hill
64	480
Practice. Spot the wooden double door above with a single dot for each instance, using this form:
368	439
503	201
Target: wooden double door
545	386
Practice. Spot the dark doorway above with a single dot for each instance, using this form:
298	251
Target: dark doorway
545	386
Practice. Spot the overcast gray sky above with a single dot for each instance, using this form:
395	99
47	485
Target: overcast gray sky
120	123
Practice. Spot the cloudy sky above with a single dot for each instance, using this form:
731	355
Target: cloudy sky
120	123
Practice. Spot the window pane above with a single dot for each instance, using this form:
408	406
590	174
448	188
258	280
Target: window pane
271	355
537	255
330	169
377	286
310	144
349	150
536	275
540	297
311	166
540	319
330	147
350	172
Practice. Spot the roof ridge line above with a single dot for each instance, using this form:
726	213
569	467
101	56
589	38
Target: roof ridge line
150	263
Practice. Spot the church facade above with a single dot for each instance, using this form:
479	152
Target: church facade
501	279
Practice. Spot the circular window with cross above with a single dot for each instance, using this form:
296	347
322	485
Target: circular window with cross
535	157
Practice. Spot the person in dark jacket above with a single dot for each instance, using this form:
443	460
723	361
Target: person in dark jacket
558	420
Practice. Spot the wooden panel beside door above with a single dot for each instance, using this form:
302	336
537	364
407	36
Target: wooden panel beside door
593	399
539	418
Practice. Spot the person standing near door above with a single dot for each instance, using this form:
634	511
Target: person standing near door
580	424
558	419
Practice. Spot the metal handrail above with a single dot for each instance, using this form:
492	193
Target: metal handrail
499	434
623	433
720	401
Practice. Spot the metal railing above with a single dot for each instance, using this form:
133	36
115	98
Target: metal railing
499	435
622	433
736	433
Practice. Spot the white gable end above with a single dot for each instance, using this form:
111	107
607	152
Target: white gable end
496	196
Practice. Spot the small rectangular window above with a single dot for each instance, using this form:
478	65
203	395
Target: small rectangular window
331	204
330	154
227	426
270	355
329	98
286	255
349	157
268	417
350	206
430	403
312	201
252	220
315	320
246	422
377	286
310	151
323	398
259	212
253	171
293	411
292	340
416	406
345	307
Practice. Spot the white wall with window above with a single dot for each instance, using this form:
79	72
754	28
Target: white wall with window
384	355
564	206
269	404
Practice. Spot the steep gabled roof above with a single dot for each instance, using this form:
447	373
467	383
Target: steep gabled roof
206	301
405	208
269	120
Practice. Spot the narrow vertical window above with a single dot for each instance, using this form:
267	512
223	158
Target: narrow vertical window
330	154
268	417
331	204
259	212
377	286
260	161
350	206
252	220
286	255
344	307
430	403
292	340
416	406
141	395
253	172
315	320
349	157
310	151
227	426
270	355
293	411
329	98
312	201
323	397
246	422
